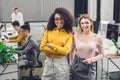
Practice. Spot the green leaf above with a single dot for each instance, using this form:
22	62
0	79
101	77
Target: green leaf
1	45
6	54
117	46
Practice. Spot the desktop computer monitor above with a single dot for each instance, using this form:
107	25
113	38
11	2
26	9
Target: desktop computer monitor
112	32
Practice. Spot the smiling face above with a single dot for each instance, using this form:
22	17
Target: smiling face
85	25
59	21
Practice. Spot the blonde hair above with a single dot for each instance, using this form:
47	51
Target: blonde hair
86	16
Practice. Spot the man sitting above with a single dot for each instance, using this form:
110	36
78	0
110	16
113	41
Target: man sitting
29	52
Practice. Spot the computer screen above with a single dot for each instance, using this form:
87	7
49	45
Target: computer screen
112	32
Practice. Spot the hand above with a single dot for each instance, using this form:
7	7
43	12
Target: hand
3	41
49	44
71	62
7	40
87	61
19	52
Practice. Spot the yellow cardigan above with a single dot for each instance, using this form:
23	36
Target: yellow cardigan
19	39
61	43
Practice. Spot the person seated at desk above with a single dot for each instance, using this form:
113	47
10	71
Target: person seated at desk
29	52
19	39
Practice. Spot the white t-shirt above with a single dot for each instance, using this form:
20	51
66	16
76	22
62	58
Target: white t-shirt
18	17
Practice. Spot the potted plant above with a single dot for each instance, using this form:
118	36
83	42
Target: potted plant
6	54
117	47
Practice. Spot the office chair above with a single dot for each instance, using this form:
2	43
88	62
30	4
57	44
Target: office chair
31	67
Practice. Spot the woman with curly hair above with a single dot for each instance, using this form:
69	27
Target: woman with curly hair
56	43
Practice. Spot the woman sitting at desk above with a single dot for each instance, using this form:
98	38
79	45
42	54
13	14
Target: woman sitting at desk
19	39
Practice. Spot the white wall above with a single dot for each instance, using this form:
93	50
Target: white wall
33	10
39	10
106	9
92	7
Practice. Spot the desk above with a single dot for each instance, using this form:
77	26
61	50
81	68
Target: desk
9	72
10	34
112	61
14	45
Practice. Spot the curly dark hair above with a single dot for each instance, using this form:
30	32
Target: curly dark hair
66	15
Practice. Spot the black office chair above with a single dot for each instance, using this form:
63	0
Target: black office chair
31	67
